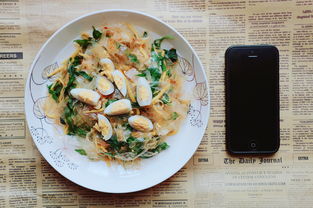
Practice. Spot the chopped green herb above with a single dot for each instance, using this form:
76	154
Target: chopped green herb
162	65
118	45
172	55
109	102
158	149
145	34
141	74
174	115
128	127
80	132
72	74
68	115
165	98
159	59
71	69
84	43
135	105
133	58
56	91
161	147
109	154
85	75
81	151
155	57
114	144
135	144
154	88
146	155
71	102
96	34
70	85
157	43
131	139
169	73
77	60
155	73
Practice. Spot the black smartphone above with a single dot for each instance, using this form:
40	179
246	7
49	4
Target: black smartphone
252	99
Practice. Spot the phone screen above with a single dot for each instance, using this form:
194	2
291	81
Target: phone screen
252	99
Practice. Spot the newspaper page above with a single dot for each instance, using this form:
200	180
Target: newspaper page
212	178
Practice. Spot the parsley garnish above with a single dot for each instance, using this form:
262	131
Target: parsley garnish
154	88
171	54
118	45
174	115
81	151
109	102
84	43
155	73
157	43
56	91
133	58
114	143
135	144
96	34
161	147
165	98
85	75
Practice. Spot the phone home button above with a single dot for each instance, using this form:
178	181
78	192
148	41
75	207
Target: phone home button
253	145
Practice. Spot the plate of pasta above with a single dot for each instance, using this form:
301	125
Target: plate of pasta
117	101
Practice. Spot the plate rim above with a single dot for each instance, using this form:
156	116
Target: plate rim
202	131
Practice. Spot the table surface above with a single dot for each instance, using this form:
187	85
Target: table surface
212	178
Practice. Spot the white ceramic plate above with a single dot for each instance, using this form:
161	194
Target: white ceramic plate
58	149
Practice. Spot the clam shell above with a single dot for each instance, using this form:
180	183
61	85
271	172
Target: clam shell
104	85
119	107
105	127
120	82
86	96
143	91
140	123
